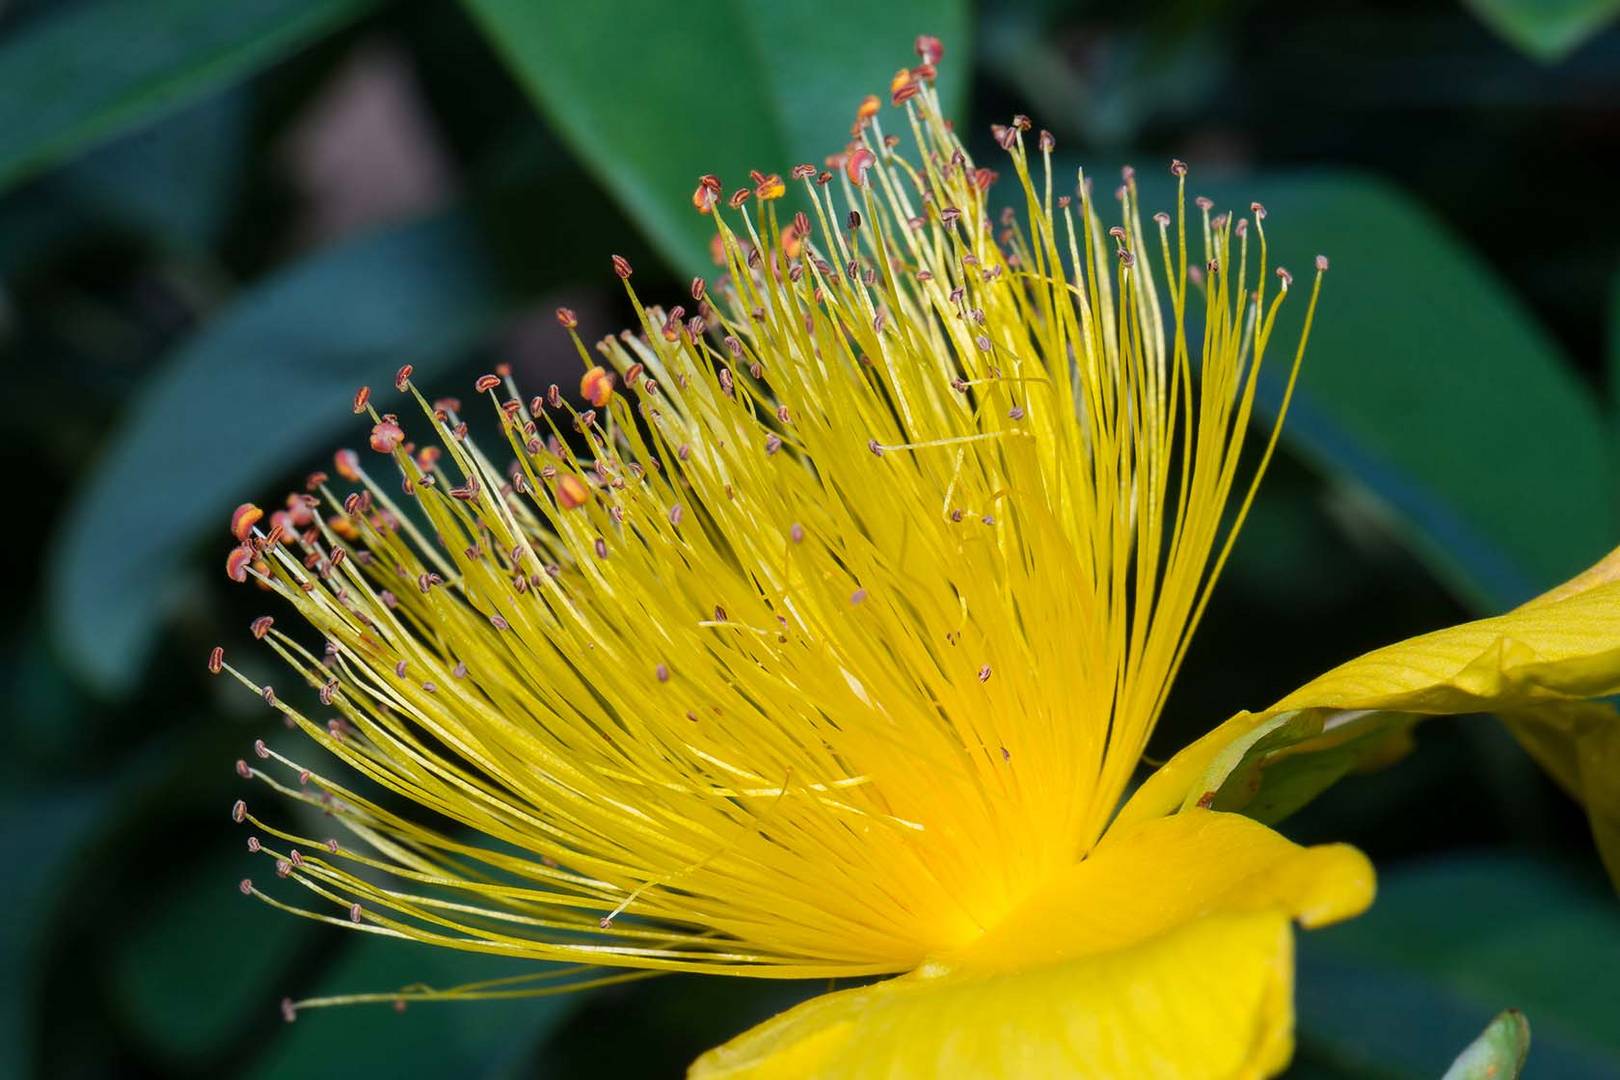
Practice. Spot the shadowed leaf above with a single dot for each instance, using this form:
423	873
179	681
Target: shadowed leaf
1548	30
778	85
70	80
256	389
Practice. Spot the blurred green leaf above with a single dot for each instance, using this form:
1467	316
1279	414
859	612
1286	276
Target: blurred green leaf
131	181
72	79
651	101
258	388
462	1039
1428	383
1498	1053
1614	340
41	835
1447	945
1614	374
129	184
187	968
1548	30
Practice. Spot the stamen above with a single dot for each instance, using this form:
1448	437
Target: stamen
827	726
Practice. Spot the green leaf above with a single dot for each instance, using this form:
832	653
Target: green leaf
70	80
180	971
128	185
130	182
1428	384
1450	943
651	99
1614	348
457	1038
1548	30
258	388
41	829
1292	758
1614	381
1498	1053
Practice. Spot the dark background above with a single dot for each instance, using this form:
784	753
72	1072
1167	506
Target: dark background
212	228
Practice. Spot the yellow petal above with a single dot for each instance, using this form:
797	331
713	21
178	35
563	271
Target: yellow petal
1566	648
1578	742
1167	953
1563	646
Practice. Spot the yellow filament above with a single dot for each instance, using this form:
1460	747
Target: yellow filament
884	574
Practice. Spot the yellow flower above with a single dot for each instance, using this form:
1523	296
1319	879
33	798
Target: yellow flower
828	641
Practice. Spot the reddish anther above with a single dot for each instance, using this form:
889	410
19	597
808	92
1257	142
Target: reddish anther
362	396
216	660
566	318
402	377
237	563
901	80
596	386
572	493
386	435
347	463
706	195
261	626
769	187
855	166
486	383
929	48
621	266
792	241
243	518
